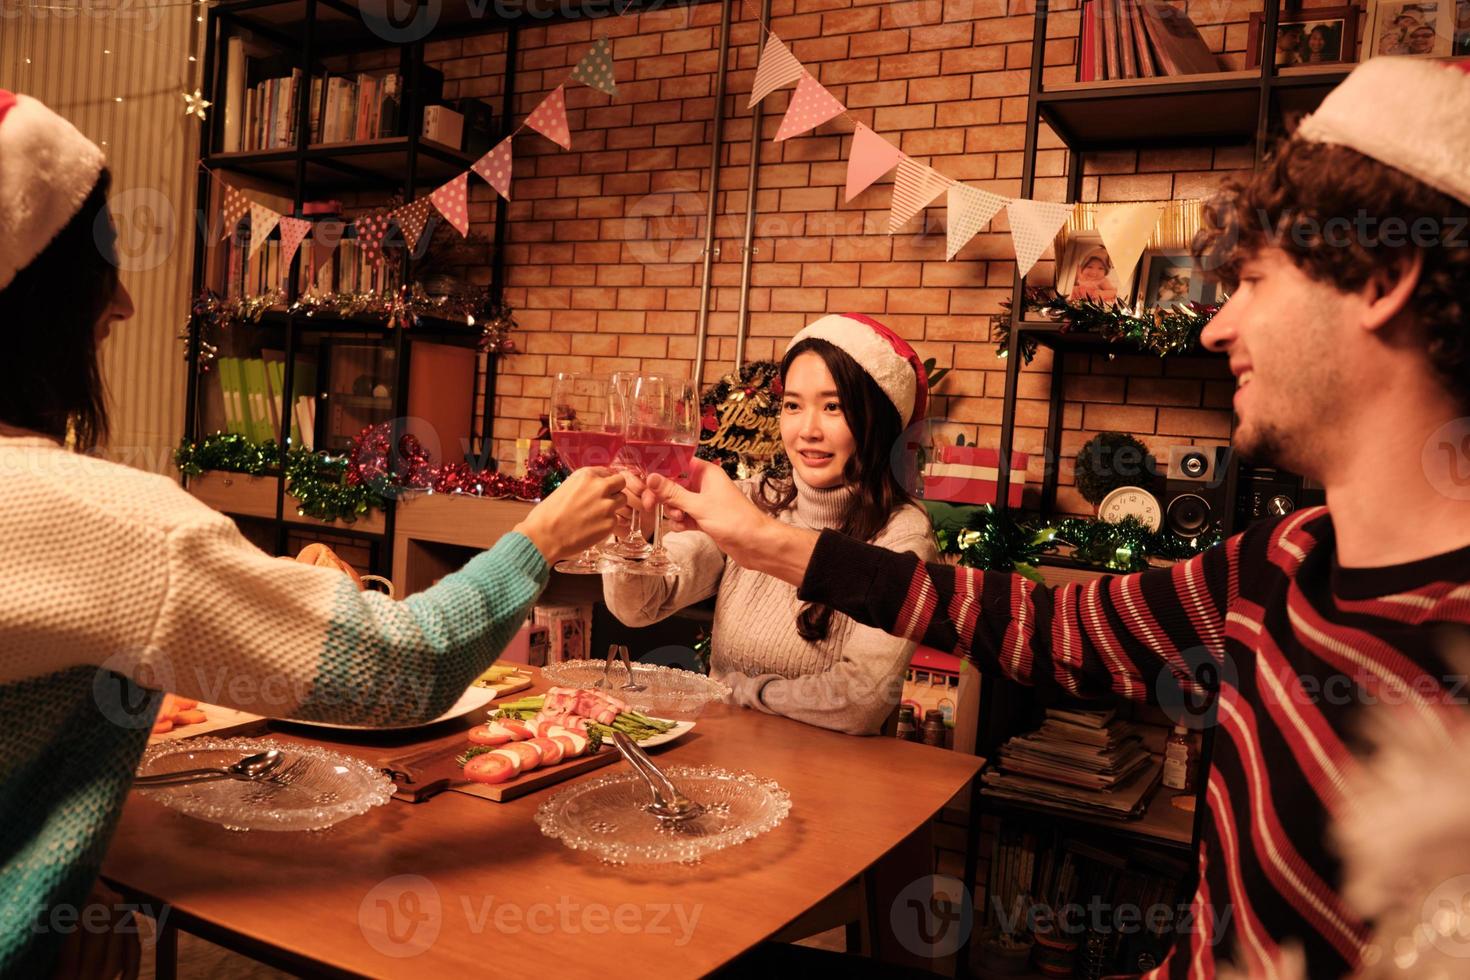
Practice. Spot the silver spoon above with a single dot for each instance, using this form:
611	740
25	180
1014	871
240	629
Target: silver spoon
252	767
668	803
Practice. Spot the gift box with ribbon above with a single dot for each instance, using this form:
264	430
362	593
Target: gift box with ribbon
968	475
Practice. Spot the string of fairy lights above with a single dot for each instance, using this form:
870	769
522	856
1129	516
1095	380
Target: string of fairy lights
28	64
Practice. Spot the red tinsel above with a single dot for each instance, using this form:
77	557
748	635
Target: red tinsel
414	469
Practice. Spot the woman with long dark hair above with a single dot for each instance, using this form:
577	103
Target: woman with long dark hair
849	388
118	585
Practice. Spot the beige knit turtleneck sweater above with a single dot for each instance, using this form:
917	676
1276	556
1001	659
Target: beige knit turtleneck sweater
849	681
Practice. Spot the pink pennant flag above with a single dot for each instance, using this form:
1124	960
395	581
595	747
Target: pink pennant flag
293	230
1033	226
495	168
811	106
370	229
411	219
871	157
262	222
778	67
233	208
916	186
550	118
452	200
969	210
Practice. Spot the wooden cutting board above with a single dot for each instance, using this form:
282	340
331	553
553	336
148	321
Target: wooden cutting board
434	771
513	684
218	719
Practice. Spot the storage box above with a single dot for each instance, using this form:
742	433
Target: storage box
570	629
443	125
968	475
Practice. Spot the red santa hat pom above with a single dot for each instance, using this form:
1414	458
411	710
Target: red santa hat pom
884	355
47	169
1408	113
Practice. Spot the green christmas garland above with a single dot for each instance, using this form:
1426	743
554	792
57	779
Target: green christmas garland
1163	332
998	542
315	479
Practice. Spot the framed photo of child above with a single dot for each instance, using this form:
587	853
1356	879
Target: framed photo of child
1169	279
1312	36
1417	28
1086	273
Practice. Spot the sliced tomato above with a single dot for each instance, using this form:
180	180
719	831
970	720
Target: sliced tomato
551	751
489	767
491	734
530	755
579	740
568	745
511	756
519	730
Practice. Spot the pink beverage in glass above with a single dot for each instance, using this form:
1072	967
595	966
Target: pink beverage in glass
673	460
587	448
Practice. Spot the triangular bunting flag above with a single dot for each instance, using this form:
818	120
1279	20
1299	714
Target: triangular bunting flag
495	168
915	187
811	106
452	200
370	231
595	70
411	219
550	118
1033	225
778	67
262	222
872	156
1125	231
970	209
233	208
293	230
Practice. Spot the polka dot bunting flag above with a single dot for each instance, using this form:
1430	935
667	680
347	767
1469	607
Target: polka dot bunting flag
550	118
596	68
370	231
495	168
811	106
262	222
411	219
452	202
234	207
293	230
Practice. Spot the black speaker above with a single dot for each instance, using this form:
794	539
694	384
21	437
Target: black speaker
1265	492
1193	498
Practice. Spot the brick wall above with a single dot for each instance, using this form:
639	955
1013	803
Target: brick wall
604	253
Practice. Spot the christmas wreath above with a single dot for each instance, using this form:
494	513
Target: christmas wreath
740	422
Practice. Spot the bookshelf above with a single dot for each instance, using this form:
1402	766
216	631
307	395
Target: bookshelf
284	76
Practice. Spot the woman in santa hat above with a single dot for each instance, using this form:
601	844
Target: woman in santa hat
850	386
116	580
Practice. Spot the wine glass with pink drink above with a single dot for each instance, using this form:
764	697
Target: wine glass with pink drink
660	436
585	432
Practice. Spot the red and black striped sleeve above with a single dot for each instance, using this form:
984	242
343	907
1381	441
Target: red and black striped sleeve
1119	634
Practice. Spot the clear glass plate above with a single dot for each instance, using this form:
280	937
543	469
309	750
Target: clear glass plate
671	692
606	815
331	788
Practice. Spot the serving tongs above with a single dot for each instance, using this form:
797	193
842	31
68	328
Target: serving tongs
668	804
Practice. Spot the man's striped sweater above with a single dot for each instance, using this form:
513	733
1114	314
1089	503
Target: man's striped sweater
1302	647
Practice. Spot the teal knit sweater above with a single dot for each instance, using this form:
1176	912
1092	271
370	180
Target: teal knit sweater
117	585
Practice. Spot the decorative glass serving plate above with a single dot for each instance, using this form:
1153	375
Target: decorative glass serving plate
669	692
608	815
327	788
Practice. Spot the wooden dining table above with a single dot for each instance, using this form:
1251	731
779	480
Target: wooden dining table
462	886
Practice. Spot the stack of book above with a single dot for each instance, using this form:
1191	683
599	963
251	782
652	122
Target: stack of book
252	390
1081	761
1139	39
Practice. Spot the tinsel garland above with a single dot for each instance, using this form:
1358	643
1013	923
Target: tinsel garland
1163	332
402	308
345	488
758	385
998	542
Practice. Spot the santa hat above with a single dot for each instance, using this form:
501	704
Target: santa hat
1408	113
883	354
47	169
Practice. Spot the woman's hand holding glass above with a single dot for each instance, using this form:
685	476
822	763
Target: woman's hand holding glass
580	513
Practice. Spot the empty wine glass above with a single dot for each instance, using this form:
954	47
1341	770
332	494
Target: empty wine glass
633	546
585	432
660	437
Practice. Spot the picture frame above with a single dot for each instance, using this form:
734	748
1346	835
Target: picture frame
1085	271
1169	277
1416	28
1314	35
1462	29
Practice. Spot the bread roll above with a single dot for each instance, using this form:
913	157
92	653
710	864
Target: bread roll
324	557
